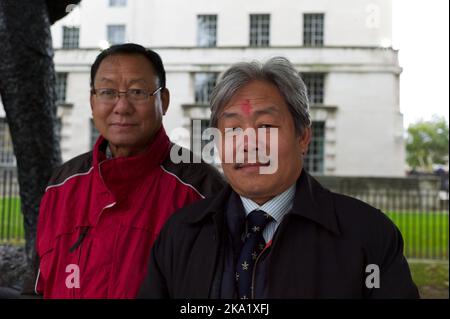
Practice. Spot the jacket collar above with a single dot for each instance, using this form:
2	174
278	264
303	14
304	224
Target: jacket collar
119	175
311	201
217	205
314	202
154	155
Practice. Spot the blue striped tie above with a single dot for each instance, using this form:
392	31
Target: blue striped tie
253	245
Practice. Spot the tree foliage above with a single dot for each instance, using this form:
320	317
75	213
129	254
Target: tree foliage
427	143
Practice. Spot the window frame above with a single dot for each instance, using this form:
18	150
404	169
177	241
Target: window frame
314	31
207	33
117	3
314	160
316	89
259	32
116	27
69	41
203	95
61	87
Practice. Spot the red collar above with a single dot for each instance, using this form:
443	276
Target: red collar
120	173
154	155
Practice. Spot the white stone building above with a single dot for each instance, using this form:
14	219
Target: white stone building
342	49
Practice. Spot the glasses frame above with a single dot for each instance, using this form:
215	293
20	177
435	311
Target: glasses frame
125	93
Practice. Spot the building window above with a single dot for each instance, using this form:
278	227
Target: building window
314	160
207	30
71	36
116	34
313	29
259	30
58	129
204	85
7	157
61	87
117	3
94	133
315	84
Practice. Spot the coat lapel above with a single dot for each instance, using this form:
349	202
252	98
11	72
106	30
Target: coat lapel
207	245
295	255
294	260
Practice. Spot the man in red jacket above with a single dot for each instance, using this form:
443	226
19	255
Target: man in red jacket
102	210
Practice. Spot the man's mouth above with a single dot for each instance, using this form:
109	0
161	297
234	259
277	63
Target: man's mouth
250	165
122	124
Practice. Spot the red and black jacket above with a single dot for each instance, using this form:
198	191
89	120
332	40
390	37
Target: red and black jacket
99	218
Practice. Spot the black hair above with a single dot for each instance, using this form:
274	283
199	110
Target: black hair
131	48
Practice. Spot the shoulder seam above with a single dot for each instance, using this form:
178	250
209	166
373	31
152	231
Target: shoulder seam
70	177
182	182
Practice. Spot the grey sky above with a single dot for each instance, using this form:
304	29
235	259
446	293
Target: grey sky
421	32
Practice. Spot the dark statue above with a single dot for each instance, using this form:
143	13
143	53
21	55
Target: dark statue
27	90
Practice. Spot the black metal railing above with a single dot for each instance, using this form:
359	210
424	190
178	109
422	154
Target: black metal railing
11	218
420	215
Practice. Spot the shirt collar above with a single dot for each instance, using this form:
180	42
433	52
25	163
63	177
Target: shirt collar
155	154
108	152
277	207
311	201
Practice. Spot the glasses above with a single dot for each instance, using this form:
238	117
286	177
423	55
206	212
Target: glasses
132	95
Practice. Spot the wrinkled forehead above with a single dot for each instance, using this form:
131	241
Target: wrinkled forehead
246	105
255	98
249	110
125	66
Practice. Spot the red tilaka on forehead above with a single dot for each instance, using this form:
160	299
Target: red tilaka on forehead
246	107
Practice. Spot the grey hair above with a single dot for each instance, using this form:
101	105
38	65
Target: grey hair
278	71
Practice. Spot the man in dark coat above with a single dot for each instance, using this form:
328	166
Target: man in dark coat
275	232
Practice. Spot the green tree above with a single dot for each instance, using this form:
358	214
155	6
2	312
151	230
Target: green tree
427	143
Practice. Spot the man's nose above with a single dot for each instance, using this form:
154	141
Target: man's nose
123	105
250	142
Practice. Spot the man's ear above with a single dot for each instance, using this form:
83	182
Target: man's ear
165	100
305	139
91	101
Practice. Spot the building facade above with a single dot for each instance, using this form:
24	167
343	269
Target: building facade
341	48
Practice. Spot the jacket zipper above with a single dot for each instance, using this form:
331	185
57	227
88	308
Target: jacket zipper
254	268
77	294
106	207
109	205
77	244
